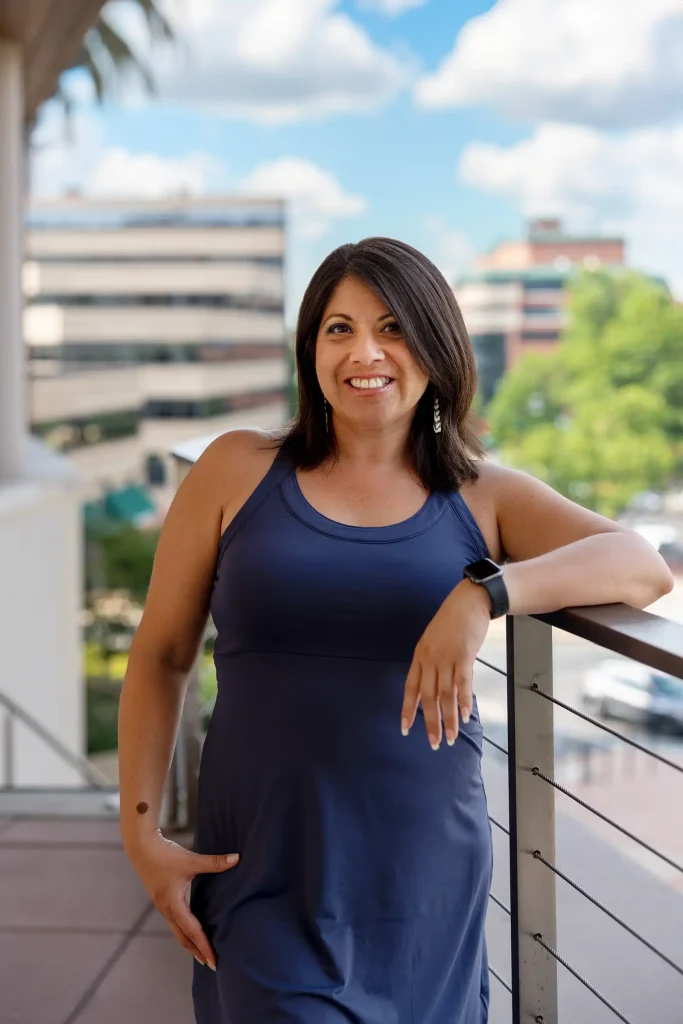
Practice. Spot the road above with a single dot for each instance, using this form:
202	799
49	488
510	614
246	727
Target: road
572	659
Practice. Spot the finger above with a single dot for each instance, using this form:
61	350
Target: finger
185	942
430	705
184	919
211	863
448	699
465	694
411	698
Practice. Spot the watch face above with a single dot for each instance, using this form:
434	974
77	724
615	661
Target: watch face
484	569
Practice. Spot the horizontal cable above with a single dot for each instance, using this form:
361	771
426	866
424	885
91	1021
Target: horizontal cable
606	728
503	982
499	903
498	825
579	977
500	671
653	949
599	814
493	743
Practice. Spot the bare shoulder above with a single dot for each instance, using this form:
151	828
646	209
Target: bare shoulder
532	518
233	465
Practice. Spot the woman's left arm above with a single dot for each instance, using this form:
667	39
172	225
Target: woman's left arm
561	555
557	555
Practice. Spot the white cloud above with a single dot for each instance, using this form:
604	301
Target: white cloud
82	161
267	60
393	7
316	198
149	176
608	63
627	183
451	250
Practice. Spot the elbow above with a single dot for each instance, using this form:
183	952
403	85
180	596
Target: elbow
654	584
665	580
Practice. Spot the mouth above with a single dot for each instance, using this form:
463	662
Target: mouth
369	385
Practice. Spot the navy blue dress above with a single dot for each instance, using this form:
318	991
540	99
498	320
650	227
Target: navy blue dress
366	857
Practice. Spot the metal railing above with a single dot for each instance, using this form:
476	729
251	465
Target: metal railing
656	643
13	712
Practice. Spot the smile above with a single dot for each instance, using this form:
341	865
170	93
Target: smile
369	383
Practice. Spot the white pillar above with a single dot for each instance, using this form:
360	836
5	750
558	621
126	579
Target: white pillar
12	355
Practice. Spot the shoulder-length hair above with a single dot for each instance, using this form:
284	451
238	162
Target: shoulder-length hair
422	301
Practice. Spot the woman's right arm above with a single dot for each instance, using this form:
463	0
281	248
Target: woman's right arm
162	654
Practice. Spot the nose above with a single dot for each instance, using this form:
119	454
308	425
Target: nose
365	349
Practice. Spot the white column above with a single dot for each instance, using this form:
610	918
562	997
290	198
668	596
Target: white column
12	355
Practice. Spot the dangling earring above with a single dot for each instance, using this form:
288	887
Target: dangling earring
437	416
327	419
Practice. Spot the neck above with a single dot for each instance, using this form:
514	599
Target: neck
386	447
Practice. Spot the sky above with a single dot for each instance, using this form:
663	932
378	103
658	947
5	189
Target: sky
446	123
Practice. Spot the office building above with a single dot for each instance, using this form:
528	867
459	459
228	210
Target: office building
514	298
149	323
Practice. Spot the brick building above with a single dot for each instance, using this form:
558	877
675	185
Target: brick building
513	300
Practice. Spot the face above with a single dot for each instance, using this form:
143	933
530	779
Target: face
364	367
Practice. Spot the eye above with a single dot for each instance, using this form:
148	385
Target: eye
332	329
392	326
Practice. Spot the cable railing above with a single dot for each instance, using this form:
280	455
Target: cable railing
656	643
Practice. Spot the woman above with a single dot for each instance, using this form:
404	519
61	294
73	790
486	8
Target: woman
343	857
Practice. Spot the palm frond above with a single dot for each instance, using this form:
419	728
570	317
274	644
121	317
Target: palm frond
160	28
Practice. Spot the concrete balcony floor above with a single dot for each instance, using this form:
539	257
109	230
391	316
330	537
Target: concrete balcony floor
80	942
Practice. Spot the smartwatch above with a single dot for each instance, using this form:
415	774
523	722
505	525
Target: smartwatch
485	573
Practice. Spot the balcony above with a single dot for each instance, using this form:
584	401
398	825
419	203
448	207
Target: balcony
586	910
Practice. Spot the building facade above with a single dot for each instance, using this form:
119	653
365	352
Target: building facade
149	323
514	299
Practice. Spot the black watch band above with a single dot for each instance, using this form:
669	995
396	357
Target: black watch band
485	573
498	593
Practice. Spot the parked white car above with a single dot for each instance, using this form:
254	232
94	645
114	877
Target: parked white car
634	693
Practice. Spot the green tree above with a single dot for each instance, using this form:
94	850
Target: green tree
120	557
601	418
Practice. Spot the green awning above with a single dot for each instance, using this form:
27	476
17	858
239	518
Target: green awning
131	505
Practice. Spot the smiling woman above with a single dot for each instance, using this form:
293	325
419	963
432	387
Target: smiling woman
395	314
349	571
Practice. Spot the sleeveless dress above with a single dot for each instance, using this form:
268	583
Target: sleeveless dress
361	892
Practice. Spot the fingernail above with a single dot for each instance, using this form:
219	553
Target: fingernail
433	742
465	715
232	858
450	737
200	962
212	966
404	727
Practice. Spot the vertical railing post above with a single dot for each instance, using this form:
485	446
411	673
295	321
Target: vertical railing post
8	748
532	821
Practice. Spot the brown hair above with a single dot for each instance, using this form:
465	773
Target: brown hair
423	303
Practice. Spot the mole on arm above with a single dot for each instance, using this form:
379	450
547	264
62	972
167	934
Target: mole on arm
142	808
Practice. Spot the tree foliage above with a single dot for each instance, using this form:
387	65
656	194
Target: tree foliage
120	558
107	57
601	418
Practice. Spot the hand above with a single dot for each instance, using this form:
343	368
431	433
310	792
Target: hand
440	676
166	870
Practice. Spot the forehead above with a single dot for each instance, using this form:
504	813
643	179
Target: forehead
353	298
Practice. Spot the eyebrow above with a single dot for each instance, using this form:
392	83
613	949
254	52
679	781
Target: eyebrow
349	319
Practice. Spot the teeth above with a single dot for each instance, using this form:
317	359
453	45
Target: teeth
369	382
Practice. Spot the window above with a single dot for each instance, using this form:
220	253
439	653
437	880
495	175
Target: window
548	284
532	311
258	303
155	471
489	352
540	336
205	408
68	434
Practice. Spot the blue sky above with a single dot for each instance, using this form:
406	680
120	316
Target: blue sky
446	123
